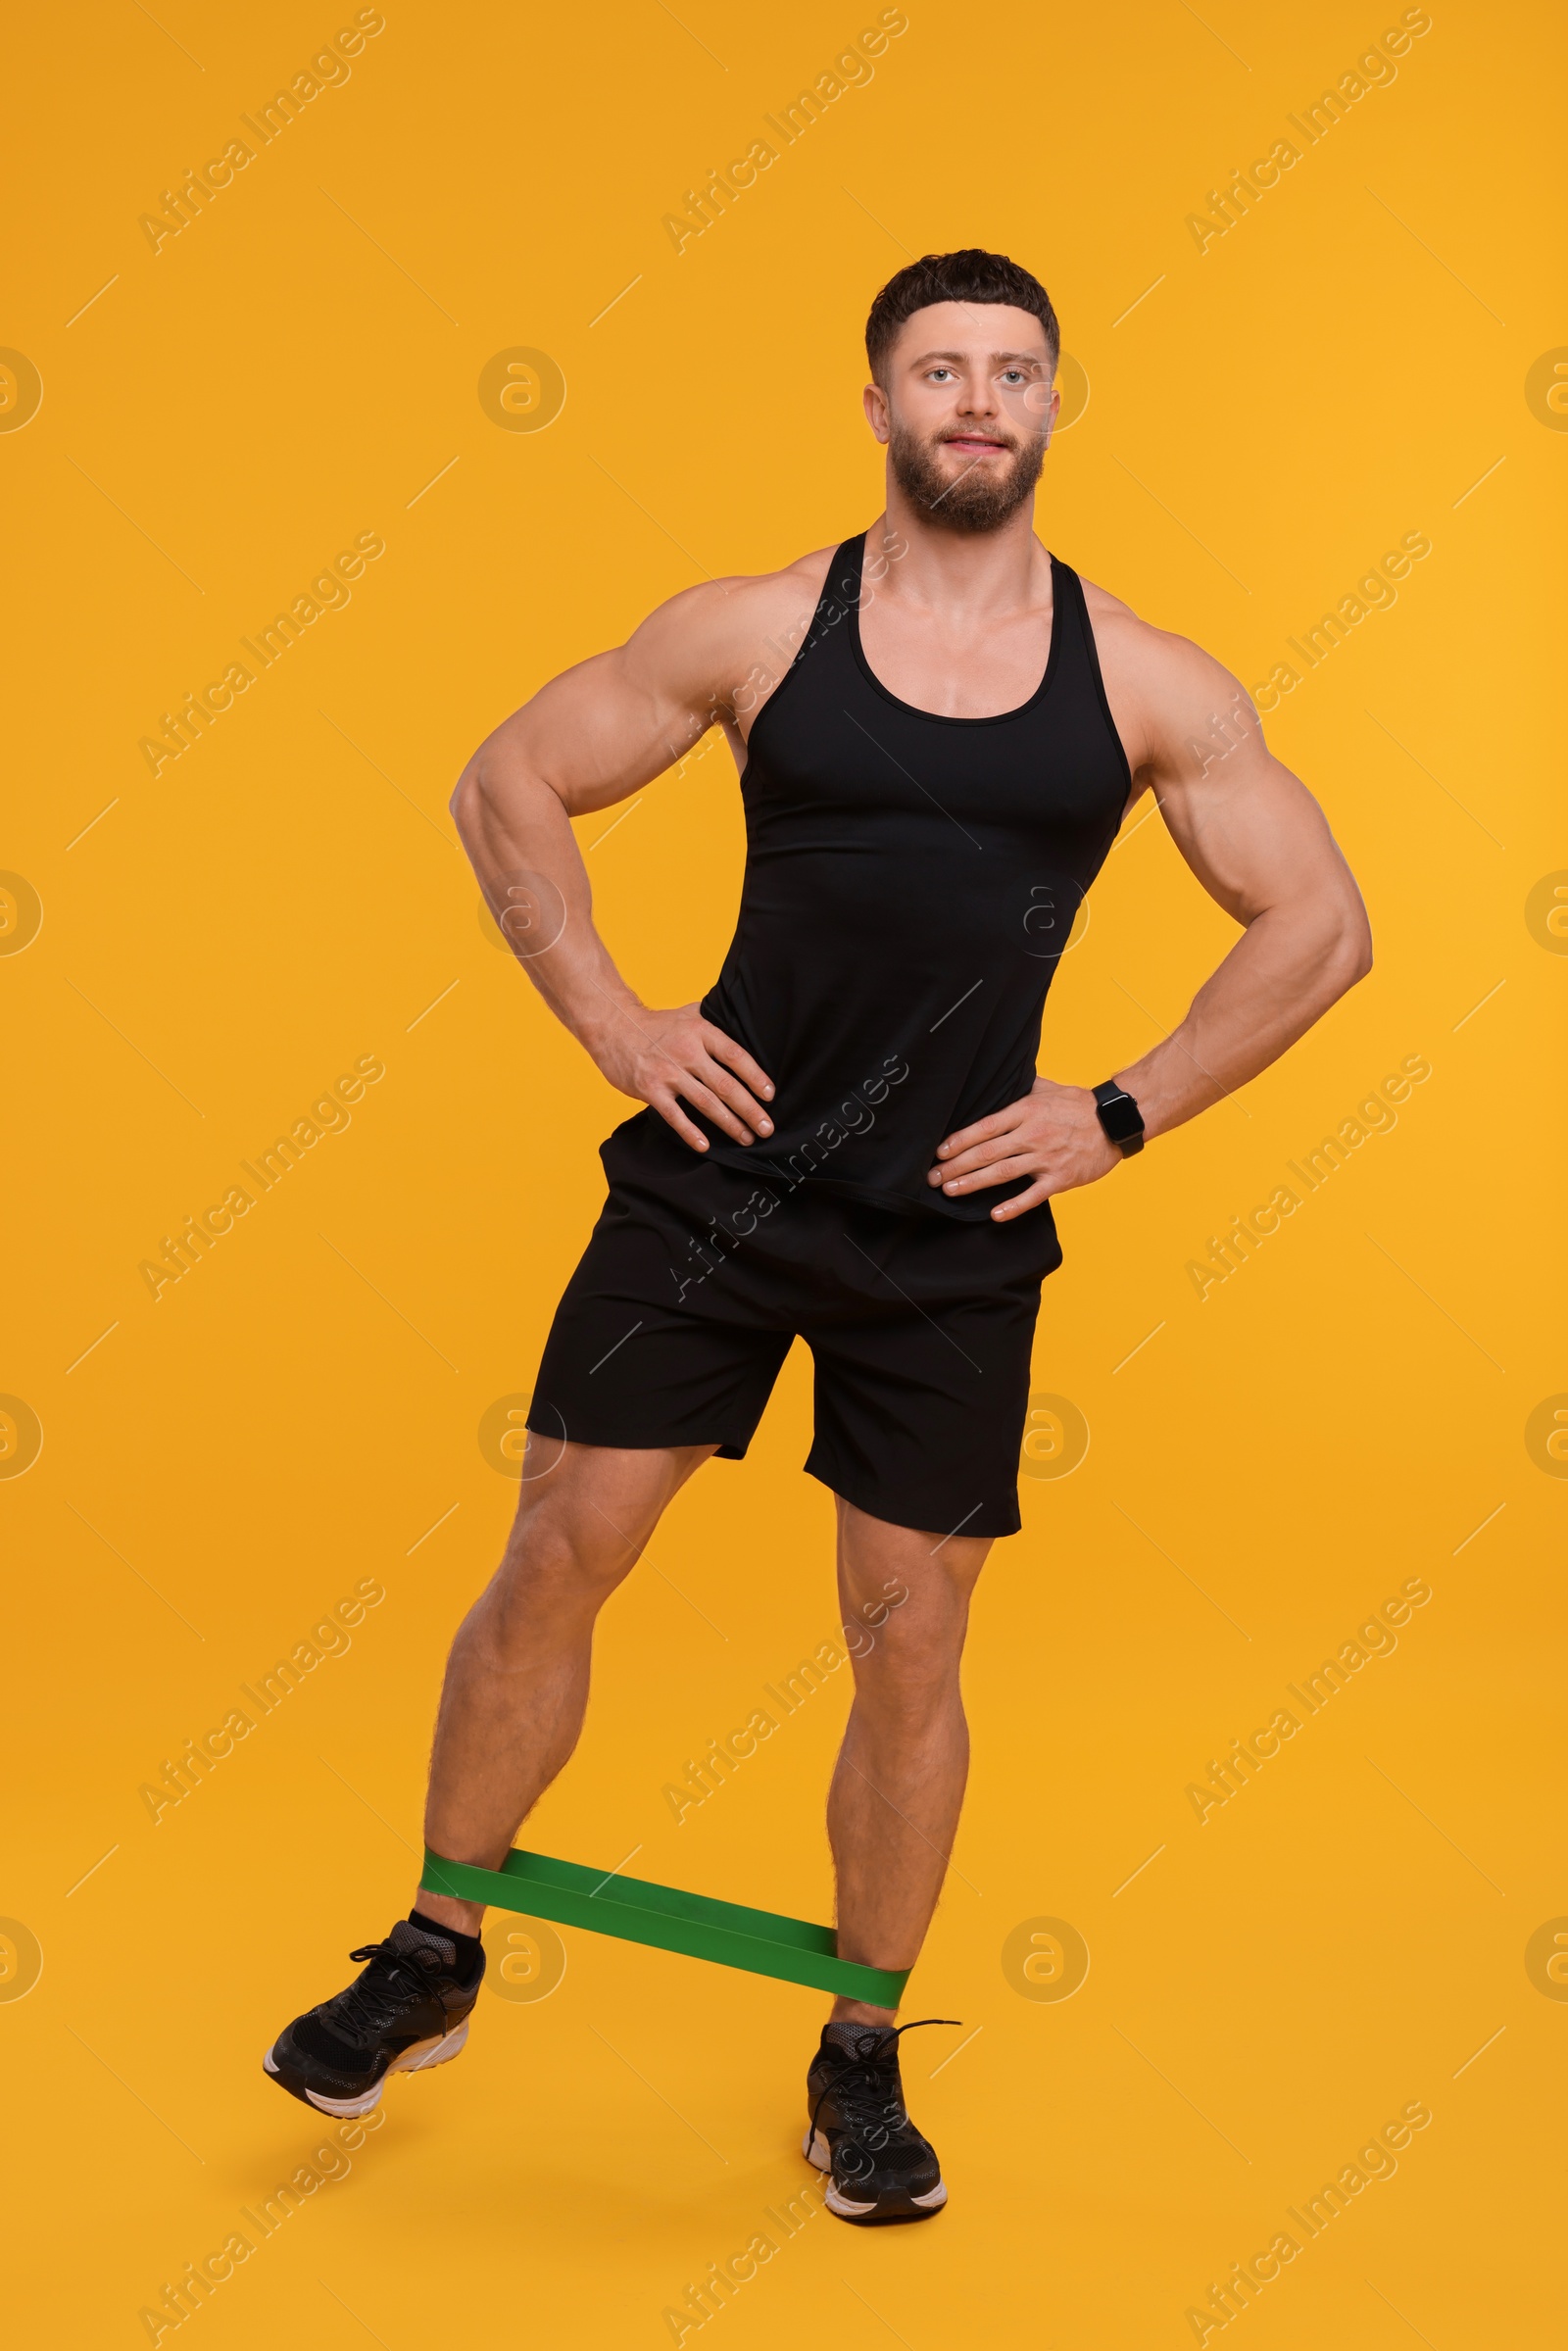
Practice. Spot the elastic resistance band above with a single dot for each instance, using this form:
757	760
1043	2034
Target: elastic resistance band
759	1941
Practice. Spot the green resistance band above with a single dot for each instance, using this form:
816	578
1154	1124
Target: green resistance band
758	1941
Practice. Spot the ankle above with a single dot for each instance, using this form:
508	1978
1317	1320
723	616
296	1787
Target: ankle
450	1915
467	1949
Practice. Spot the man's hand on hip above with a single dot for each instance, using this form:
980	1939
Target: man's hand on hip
1053	1135
665	1058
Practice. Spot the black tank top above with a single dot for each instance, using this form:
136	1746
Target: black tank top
911	884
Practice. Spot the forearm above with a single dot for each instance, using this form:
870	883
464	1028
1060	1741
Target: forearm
1281	976
522	849
515	828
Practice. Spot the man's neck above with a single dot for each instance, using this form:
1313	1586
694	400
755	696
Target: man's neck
967	572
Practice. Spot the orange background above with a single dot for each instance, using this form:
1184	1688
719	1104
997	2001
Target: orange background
1349	362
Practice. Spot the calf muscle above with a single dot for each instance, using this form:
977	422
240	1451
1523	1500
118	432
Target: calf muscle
516	1680
893	1810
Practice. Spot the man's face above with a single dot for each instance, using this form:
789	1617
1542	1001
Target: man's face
966	409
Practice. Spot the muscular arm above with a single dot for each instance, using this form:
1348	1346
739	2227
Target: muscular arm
591	737
1259	843
1261	846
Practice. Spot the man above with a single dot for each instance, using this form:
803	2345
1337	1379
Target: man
941	729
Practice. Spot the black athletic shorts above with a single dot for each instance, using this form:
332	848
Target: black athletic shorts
695	1281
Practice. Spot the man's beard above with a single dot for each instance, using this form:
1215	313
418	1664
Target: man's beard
980	498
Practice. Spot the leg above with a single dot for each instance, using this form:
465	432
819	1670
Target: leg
894	1806
516	1680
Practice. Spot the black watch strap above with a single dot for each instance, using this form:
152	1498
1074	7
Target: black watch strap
1120	1117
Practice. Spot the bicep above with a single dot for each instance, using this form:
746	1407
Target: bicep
1249	829
594	734
606	728
1255	839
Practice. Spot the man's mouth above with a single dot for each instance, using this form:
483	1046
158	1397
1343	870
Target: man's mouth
974	444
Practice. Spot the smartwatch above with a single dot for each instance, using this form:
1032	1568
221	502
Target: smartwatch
1120	1117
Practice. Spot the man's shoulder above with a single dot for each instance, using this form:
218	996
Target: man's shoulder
1142	658
724	627
748	602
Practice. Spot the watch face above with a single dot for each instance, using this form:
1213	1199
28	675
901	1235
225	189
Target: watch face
1119	1116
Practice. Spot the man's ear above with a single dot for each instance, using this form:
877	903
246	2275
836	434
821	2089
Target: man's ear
1049	409
877	414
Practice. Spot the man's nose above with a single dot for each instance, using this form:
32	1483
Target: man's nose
977	396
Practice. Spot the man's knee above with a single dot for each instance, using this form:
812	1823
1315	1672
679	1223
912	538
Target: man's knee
552	1573
912	1665
906	1611
556	1552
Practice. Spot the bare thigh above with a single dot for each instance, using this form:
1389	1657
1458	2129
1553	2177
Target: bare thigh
516	1680
584	1514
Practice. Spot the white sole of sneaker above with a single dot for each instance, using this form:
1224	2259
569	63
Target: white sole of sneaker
816	2150
416	2059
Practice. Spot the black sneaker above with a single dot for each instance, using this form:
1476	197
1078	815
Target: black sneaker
860	2132
405	2011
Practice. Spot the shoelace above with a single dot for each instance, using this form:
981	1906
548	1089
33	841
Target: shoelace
399	1972
862	2086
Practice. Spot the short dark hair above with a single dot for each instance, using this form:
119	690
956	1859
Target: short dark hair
972	275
